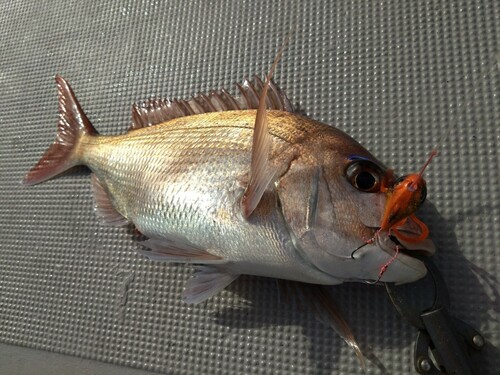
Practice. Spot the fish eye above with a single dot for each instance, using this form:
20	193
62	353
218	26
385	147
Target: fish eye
364	175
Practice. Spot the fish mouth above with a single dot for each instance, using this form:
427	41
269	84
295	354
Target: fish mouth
408	265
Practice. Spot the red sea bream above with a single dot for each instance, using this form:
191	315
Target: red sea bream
194	179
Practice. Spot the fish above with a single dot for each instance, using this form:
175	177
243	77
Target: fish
240	185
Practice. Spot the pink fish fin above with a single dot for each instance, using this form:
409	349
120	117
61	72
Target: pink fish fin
250	92
72	126
226	100
261	172
177	249
249	95
280	100
320	301
326	310
103	205
206	282
275	98
156	111
203	104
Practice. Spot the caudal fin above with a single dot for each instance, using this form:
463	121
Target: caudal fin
72	125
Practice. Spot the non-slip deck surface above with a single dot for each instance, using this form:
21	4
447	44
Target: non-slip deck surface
390	73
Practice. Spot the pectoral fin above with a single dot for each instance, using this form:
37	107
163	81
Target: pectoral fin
261	172
206	282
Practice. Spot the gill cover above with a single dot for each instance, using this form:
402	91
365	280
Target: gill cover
309	213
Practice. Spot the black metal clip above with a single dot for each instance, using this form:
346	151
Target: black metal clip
444	343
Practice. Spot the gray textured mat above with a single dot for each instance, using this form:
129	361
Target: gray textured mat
386	72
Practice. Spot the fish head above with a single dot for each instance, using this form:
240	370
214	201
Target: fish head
334	200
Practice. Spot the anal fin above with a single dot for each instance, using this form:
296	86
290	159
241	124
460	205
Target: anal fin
104	207
206	282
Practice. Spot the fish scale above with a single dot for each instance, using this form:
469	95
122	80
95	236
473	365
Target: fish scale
166	190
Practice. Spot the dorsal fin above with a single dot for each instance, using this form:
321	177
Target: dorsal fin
156	111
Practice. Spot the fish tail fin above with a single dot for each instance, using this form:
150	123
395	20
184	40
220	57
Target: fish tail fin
64	153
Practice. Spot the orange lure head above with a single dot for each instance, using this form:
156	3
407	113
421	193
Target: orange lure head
404	197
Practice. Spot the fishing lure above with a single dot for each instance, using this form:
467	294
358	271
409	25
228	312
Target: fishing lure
405	195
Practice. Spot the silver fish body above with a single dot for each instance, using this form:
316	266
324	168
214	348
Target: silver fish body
181	183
